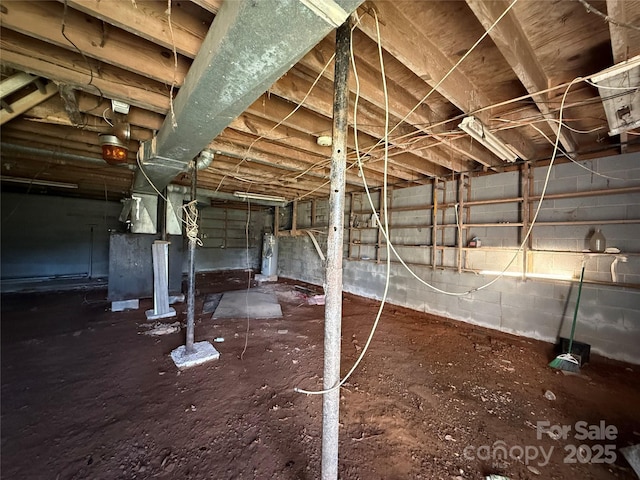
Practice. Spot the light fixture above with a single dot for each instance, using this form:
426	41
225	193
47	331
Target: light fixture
479	132
324	140
258	196
42	183
120	107
114	150
618	87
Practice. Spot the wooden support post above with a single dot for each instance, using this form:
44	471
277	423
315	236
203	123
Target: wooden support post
333	299
276	221
294	218
313	214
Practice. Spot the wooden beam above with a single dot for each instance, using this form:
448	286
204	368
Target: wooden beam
409	44
116	47
210	5
276	109
15	82
93	105
70	100
294	88
400	104
46	60
620	46
371	90
515	47
28	101
283	155
619	35
149	20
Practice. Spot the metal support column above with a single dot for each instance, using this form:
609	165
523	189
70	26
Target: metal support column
191	293
333	299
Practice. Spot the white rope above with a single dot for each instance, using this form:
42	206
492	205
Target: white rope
191	221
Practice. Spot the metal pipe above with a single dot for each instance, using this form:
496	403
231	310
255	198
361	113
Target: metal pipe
191	293
59	158
203	192
333	291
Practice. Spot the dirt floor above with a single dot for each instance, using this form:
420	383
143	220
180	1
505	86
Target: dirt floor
86	395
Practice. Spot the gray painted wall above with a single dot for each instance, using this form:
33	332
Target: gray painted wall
45	236
609	315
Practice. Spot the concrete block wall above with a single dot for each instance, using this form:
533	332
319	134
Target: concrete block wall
224	242
609	315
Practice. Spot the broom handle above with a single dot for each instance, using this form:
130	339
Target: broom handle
575	313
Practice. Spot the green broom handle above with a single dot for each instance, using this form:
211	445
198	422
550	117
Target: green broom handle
575	313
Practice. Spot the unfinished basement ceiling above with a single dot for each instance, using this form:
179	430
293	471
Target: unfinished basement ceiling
81	54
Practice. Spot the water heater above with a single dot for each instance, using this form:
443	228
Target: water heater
269	255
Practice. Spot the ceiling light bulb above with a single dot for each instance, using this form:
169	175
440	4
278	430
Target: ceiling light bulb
114	151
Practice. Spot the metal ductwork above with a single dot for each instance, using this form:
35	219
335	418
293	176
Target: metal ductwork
205	159
248	47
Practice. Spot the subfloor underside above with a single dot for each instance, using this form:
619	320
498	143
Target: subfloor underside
86	395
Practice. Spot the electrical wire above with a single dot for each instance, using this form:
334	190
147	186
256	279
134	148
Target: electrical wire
457	64
570	157
63	27
104	116
149	180
246	298
297	107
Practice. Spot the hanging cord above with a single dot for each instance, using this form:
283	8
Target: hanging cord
384	208
246	298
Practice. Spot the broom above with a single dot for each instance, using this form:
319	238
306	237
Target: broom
566	361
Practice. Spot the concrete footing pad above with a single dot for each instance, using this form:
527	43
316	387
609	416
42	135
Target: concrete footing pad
157	315
203	352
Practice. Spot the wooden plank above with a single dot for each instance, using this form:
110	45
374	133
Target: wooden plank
114	46
210	5
619	45
93	105
46	60
407	42
52	112
285	155
512	42
274	108
28	101
70	100
149	20
294	88
15	82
